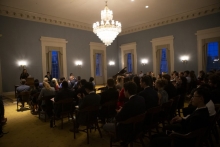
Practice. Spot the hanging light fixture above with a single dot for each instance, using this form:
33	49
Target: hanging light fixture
108	29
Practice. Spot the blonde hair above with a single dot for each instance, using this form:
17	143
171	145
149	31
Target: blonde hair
55	80
47	85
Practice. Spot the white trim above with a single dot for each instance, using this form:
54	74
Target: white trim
215	8
201	35
31	16
98	46
54	42
129	47
163	41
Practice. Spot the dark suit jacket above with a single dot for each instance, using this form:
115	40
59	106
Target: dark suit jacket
110	94
171	90
133	107
61	95
150	96
198	119
89	100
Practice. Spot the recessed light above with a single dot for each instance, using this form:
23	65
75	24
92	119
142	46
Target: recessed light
146	6
132	0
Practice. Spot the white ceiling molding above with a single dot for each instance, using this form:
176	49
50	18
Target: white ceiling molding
27	15
174	19
21	14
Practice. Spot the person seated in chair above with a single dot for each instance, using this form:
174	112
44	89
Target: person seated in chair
198	119
134	107
92	99
64	93
109	95
22	88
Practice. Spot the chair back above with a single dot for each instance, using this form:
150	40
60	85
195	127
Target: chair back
153	116
108	109
25	96
67	105
174	106
91	113
135	119
198	136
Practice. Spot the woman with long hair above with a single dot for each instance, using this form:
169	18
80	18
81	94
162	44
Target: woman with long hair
55	84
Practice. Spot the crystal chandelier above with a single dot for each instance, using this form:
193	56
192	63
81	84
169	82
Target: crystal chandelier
108	29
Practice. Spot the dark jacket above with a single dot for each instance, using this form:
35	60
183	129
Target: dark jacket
91	99
171	90
134	107
150	96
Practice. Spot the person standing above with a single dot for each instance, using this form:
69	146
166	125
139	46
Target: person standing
48	76
24	74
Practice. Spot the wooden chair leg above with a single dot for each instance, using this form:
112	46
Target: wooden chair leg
100	133
87	132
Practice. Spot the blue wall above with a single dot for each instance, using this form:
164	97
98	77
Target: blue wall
21	40
185	41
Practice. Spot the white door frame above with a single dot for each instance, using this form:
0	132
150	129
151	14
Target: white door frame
163	41
54	42
129	48
93	47
201	35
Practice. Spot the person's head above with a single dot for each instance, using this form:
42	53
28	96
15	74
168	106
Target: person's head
36	84
119	79
62	79
24	70
78	78
159	76
186	73
36	80
160	84
136	79
55	81
46	85
166	77
71	78
71	74
83	82
23	81
146	81
201	97
110	83
45	80
89	87
65	84
48	73
214	80
91	79
181	74
130	88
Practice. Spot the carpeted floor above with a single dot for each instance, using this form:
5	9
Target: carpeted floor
26	129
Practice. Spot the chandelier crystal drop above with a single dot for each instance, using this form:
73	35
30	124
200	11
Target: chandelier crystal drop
108	29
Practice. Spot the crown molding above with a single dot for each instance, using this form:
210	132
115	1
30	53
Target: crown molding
174	19
27	15
21	14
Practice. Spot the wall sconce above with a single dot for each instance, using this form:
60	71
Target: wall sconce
111	63
22	64
184	59
78	63
144	61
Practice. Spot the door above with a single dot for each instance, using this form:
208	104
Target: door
99	67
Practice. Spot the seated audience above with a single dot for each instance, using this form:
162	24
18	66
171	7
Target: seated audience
162	94
214	82
46	91
92	99
109	95
64	93
22	88
169	88
149	94
134	107
198	119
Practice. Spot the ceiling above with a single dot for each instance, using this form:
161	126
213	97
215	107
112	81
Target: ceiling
129	13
